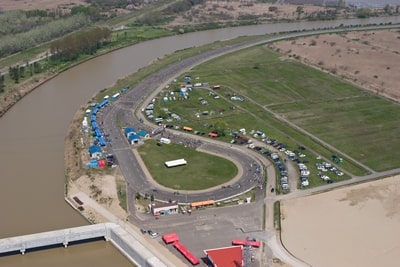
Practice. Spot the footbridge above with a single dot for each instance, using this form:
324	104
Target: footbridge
131	247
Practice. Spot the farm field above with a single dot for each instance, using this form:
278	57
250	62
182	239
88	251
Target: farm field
202	171
279	92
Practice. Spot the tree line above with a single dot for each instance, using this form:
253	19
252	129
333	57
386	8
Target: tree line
65	49
83	42
13	43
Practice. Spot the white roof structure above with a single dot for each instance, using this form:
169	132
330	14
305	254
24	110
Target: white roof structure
174	163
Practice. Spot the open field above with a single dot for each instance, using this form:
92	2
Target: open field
203	170
304	96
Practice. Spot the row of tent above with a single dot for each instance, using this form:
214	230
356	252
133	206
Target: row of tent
96	164
95	127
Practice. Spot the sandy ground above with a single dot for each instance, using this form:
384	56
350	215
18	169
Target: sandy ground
354	226
370	60
108	197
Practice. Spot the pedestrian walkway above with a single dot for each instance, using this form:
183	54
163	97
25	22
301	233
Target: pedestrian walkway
152	245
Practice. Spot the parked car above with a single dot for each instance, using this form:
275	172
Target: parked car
153	234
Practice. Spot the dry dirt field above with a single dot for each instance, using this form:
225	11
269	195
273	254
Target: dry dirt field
37	4
348	227
370	60
213	11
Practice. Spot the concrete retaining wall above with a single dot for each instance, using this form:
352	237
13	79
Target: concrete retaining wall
135	251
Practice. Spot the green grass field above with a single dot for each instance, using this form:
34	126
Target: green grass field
355	121
202	170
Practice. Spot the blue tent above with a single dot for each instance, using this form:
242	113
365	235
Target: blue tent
129	130
92	164
98	133
133	138
143	134
94	149
101	141
103	103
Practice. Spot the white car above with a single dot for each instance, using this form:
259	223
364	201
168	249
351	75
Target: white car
340	173
304	181
154	235
325	177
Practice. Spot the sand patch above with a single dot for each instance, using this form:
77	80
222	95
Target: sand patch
103	189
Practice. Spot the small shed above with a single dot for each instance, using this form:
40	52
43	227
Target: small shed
95	151
164	208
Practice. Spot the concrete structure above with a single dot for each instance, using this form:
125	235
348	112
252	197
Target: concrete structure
121	239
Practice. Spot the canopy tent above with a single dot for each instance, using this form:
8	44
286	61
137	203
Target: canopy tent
170	238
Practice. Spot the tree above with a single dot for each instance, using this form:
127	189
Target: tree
299	11
364	13
342	3
220	127
388	9
1	83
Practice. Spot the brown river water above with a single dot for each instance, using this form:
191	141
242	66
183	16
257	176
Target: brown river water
32	136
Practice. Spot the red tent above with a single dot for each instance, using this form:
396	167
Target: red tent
102	164
170	238
185	252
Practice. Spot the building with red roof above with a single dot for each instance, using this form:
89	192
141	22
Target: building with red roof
226	257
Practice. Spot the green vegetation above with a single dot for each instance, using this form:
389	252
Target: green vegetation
277	215
203	170
24	31
279	93
364	13
121	190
